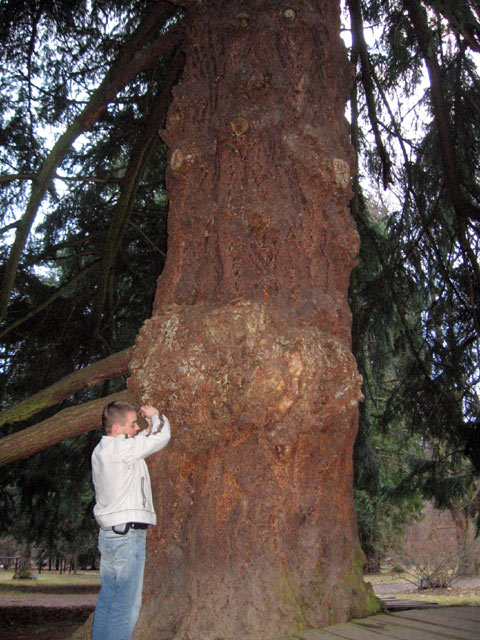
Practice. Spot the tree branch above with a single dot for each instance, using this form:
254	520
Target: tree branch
11	177
105	369
133	58
462	205
9	227
148	240
147	143
462	19
73	242
48	301
65	424
360	47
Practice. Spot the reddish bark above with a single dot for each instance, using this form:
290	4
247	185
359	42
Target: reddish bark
248	349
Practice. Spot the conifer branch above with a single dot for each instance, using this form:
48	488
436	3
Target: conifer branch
146	145
58	292
8	228
463	207
461	19
133	59
106	369
65	424
12	177
147	239
360	48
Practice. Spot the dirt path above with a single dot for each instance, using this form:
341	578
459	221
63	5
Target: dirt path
50	600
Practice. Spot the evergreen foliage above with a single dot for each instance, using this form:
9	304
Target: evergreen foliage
415	294
86	279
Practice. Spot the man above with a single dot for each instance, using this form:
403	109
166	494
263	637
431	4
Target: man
124	510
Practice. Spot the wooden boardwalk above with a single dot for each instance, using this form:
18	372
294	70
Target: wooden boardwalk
439	623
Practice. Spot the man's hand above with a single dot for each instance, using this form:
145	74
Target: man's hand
148	411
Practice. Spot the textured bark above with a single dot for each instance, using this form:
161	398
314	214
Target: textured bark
248	349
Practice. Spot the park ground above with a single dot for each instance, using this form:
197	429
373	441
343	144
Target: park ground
53	605
50	607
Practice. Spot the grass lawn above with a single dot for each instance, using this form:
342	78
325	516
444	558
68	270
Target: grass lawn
54	582
444	597
463	592
48	582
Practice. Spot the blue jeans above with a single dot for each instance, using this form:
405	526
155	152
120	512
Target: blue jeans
121	574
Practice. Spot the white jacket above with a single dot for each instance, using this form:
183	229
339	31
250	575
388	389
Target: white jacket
120	476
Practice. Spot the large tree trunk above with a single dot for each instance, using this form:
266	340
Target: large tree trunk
248	349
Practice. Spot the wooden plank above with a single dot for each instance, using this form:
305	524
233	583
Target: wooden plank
463	612
313	634
389	629
395	604
467	612
442	623
418	628
345	631
340	631
372	629
448	617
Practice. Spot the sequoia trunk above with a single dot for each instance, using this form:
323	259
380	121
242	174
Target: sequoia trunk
248	348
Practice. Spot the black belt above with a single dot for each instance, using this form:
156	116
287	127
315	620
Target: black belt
124	528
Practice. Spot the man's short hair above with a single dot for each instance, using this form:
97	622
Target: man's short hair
116	412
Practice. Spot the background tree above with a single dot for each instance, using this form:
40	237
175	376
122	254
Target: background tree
49	503
415	294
